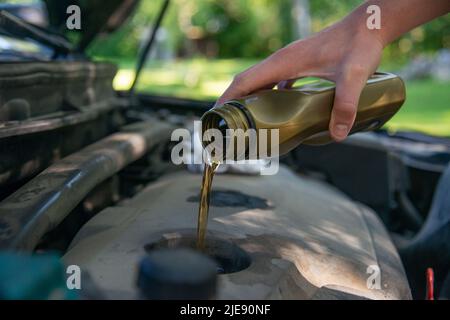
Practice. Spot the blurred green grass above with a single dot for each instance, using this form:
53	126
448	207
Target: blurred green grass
427	107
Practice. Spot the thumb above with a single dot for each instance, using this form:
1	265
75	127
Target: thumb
346	99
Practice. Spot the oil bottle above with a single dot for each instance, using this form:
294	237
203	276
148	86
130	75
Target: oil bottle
302	114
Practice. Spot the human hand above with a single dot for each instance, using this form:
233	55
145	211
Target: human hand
345	53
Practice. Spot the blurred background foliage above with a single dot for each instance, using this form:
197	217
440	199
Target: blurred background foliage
252	29
203	43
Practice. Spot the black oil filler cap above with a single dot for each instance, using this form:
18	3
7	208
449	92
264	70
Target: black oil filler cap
177	274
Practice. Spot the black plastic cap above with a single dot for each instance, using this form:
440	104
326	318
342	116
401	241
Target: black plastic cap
177	274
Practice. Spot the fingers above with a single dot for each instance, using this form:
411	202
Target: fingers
264	75
348	90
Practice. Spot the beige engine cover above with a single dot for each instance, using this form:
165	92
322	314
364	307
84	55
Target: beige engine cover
306	240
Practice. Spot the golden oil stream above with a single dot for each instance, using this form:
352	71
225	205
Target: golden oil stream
203	209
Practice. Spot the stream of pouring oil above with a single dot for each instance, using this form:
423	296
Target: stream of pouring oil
203	209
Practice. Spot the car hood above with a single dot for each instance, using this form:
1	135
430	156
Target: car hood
97	16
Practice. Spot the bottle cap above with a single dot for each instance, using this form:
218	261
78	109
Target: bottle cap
177	274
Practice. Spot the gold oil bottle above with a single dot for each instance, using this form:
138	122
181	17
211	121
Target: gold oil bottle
302	114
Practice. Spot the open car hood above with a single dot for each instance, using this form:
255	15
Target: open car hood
45	24
98	16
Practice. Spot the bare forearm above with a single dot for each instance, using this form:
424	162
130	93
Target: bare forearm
399	16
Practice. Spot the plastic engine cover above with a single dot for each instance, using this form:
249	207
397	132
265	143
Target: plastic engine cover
282	237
